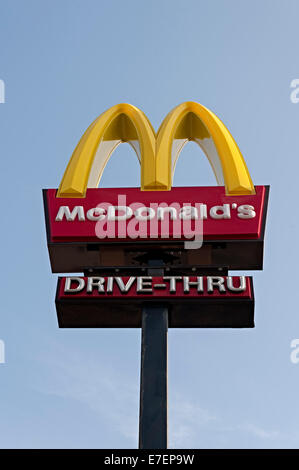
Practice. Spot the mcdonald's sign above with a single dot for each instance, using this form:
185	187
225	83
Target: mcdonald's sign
156	256
88	227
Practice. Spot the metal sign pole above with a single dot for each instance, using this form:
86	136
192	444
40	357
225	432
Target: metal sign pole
153	381
153	376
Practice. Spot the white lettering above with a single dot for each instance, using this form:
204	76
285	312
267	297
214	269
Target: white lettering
96	213
68	284
188	213
241	287
220	212
124	288
144	284
150	213
172	284
112	210
246	212
170	210
215	281
95	281
70	216
198	283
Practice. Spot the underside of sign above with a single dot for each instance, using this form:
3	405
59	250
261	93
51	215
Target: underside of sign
124	227
193	301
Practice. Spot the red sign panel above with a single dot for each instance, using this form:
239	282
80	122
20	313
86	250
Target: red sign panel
115	227
149	287
124	214
193	301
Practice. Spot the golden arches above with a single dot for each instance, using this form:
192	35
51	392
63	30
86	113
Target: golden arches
192	121
157	154
121	123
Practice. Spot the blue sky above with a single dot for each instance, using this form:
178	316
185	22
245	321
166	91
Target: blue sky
63	63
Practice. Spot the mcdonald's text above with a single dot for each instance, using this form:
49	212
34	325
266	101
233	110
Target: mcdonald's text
140	214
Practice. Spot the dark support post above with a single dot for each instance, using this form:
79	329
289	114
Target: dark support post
153	377
153	383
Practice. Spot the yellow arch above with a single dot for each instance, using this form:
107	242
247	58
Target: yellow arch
157	154
192	121
121	123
